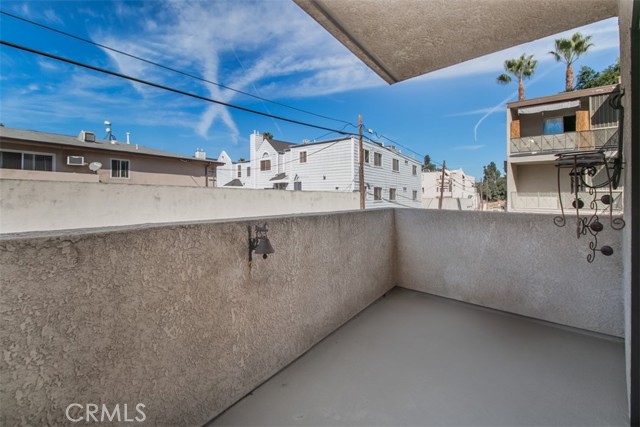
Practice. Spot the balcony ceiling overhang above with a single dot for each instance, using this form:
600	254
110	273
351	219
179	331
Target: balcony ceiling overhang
401	39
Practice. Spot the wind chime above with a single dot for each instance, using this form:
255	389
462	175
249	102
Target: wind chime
584	165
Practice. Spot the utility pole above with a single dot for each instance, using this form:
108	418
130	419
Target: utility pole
444	166
361	156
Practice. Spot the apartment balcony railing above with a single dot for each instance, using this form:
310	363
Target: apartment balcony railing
547	144
548	201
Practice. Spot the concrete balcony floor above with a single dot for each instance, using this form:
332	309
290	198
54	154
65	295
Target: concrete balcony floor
415	359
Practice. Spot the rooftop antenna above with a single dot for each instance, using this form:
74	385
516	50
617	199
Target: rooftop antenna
109	136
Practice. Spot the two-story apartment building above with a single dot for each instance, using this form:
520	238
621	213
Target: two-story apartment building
458	190
26	154
391	178
538	129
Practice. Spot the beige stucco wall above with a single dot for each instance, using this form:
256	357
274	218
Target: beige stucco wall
143	169
626	10
72	205
173	316
520	263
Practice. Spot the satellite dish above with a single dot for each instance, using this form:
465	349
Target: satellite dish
94	166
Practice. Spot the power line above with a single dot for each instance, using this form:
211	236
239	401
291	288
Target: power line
64	33
167	88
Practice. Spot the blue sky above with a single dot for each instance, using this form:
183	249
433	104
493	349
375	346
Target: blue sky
268	48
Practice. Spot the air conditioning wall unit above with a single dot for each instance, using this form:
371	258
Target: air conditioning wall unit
75	161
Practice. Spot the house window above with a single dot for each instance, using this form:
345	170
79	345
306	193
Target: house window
280	186
248	171
239	171
392	194
26	161
377	159
303	157
119	168
553	126
297	186
569	123
366	156
377	193
396	165
415	194
265	165
414	170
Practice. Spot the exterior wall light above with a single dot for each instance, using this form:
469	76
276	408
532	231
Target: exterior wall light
584	166
260	243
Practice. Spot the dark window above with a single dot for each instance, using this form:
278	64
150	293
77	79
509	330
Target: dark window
366	156
248	171
297	186
396	165
26	161
392	194
239	171
569	123
377	193
265	165
119	168
303	157
377	159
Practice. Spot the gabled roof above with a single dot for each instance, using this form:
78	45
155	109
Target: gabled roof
279	177
234	183
23	135
279	146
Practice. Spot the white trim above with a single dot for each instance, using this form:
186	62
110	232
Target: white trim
120	160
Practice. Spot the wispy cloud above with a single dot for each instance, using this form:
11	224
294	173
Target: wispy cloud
258	47
473	147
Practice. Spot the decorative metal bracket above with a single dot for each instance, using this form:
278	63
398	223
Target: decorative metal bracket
585	165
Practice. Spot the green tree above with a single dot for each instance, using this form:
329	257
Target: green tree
494	186
521	68
267	135
568	51
588	77
428	166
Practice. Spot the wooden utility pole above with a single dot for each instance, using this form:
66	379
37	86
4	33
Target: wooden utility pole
444	166
361	169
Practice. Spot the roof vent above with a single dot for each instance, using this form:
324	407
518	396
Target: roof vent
200	154
87	136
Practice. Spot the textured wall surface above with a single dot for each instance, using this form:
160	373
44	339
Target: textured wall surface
173	316
520	263
83	205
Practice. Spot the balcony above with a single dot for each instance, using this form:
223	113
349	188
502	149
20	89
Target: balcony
570	141
489	319
548	202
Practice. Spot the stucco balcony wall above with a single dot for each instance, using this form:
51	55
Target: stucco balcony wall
172	316
519	263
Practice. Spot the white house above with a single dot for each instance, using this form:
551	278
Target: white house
391	178
233	174
459	192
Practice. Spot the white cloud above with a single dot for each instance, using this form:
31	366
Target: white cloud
469	147
266	47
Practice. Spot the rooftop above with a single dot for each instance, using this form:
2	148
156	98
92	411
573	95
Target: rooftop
564	96
31	136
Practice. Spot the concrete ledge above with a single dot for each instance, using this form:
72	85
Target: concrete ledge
173	316
519	263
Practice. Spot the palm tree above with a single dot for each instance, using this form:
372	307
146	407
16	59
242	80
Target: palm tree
568	51
522	68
